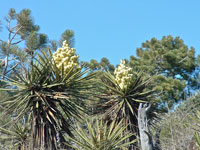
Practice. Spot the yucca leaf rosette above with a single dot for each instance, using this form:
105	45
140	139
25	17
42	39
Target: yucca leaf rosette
97	135
122	92
52	96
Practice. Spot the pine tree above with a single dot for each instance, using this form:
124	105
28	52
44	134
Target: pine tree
21	29
171	63
67	35
103	65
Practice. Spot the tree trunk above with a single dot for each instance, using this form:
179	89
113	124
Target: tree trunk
145	135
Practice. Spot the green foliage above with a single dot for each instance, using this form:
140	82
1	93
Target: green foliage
20	28
68	36
177	127
53	45
101	136
12	50
103	65
35	41
12	14
119	104
170	90
49	99
196	118
25	23
176	130
171	63
17	136
32	41
197	138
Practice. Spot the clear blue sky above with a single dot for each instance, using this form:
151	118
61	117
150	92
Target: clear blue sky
112	28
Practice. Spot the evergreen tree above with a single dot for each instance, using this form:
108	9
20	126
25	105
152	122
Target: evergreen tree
68	36
21	28
103	65
171	63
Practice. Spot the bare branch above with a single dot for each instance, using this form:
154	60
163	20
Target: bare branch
16	33
12	68
17	42
6	65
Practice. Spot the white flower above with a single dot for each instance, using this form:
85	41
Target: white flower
123	75
66	56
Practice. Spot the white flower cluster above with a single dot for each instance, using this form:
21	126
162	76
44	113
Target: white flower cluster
123	75
66	56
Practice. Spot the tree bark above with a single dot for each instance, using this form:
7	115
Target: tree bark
145	134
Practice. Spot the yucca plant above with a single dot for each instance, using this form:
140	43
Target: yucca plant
121	95
50	97
16	137
197	139
97	135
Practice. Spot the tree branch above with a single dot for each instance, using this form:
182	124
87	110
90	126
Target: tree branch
15	33
17	42
12	68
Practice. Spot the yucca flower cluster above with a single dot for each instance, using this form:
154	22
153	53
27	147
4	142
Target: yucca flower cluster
123	75
66	56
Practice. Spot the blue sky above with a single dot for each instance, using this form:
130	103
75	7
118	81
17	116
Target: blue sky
112	28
